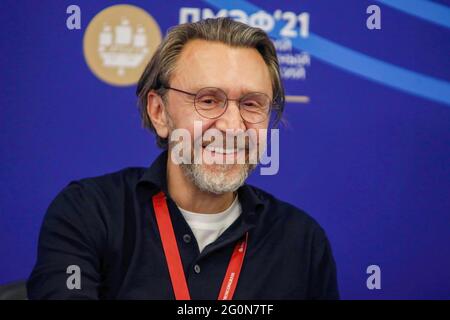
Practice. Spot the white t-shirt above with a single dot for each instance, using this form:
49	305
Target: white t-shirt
207	227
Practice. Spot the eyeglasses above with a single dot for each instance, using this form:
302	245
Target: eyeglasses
211	103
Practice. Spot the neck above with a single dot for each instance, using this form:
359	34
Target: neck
187	196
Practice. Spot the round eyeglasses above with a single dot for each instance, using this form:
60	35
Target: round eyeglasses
211	103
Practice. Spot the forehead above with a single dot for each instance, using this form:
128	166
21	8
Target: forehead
213	64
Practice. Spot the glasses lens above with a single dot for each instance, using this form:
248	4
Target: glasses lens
210	102
255	107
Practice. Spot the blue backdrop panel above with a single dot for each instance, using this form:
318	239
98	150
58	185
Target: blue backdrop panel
368	156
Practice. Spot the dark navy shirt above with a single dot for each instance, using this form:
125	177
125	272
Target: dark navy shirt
106	226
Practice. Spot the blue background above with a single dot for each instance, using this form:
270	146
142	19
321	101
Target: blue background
368	157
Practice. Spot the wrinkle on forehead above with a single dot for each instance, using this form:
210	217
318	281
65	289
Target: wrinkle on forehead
236	70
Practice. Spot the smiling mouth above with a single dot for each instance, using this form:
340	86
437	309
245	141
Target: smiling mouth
221	150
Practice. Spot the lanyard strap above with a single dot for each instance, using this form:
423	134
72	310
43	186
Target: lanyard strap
173	258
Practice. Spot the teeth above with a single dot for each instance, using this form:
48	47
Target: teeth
220	150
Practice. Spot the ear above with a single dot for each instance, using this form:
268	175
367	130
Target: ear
157	114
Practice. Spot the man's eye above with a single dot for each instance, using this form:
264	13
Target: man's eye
251	104
208	100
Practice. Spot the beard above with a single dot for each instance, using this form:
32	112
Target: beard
217	178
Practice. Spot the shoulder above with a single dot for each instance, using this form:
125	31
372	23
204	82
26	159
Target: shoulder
110	181
92	205
105	187
287	217
95	197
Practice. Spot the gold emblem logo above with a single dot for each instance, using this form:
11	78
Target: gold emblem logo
119	42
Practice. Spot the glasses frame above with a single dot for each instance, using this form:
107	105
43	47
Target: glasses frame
272	103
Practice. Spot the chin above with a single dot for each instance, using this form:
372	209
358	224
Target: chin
217	178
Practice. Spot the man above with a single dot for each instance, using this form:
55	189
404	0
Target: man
189	229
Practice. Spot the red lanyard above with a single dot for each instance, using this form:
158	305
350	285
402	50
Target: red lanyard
173	258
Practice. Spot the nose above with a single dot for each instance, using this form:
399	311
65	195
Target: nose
231	119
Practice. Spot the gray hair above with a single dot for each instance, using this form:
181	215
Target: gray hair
225	30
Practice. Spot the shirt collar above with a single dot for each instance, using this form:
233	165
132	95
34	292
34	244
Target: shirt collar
154	178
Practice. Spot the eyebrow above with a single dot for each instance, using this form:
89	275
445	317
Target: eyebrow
242	91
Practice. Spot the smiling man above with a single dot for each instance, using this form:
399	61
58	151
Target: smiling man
190	229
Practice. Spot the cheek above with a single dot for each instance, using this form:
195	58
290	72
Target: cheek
202	125
183	116
195	125
261	132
